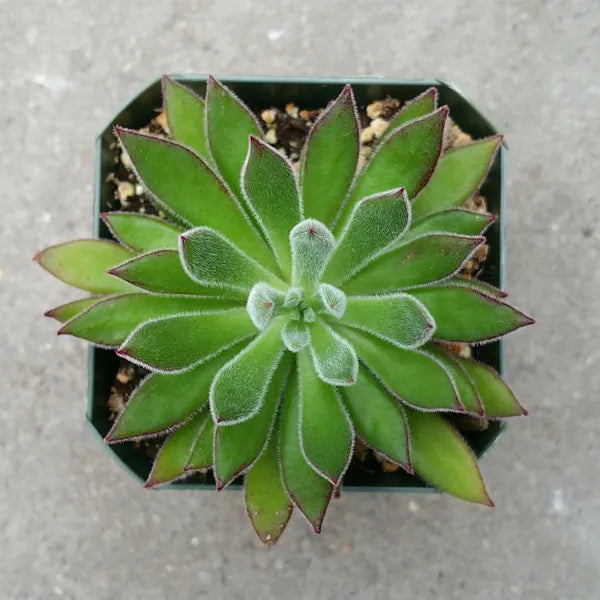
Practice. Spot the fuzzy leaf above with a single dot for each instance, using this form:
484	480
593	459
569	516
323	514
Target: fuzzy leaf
398	318
174	344
477	284
263	303
457	177
271	191
410	375
184	184
84	264
497	398
329	158
467	393
229	122
201	456
378	418
468	315
295	335
267	503
405	159
174	453
160	271
312	244
162	402
375	222
309	491
416	108
293	297
212	260
442	458
67	311
426	259
326	432
241	386
332	300
454	220
185	115
309	315
237	446
334	358
142	233
110	321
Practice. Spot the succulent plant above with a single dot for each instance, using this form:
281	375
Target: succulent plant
284	310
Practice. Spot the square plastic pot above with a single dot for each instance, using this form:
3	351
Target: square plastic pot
260	93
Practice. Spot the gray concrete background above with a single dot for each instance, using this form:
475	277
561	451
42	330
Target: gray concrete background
73	525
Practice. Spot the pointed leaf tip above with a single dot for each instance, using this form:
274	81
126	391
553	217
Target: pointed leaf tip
267	503
329	158
480	317
406	158
270	188
458	175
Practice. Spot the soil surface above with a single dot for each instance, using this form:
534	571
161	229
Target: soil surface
285	129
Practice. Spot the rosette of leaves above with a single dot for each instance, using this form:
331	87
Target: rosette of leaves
283	312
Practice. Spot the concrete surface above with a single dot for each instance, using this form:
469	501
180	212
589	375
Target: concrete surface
72	525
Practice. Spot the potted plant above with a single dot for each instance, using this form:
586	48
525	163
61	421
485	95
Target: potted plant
292	296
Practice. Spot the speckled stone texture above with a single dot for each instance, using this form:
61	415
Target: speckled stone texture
73	525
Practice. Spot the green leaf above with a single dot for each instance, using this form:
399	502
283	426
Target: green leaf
184	185
457	176
405	159
410	375
64	312
312	244
241	386
326	432
229	122
174	453
454	220
142	232
161	271
201	457
332	301
375	222
84	264
443	459
185	115
467	393
468	315
263	304
110	321
426	259
295	335
162	402
398	318
334	358
237	446
477	284
309	491
329	158
212	260
378	418
416	108
174	344
267	503
293	297
271	192
497	398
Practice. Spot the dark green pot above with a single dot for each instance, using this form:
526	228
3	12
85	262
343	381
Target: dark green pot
260	93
